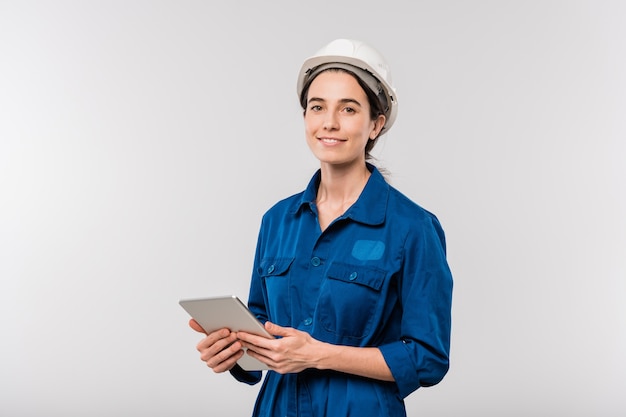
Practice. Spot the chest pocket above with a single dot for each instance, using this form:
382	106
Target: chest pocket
350	301
274	273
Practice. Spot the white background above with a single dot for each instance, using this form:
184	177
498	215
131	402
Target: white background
141	141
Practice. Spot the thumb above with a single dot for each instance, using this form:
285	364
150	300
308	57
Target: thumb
194	325
277	330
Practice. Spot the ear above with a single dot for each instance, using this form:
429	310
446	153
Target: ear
379	123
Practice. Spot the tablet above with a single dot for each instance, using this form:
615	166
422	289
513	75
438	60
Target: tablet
229	311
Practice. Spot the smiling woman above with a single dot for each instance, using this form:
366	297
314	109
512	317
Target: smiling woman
350	275
337	119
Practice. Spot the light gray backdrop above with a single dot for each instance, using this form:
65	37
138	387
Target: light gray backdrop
141	141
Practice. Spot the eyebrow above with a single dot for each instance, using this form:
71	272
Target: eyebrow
343	100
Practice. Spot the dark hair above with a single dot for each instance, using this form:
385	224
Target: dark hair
376	107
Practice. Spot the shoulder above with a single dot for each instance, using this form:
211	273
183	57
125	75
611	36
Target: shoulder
293	203
285	206
402	206
414	219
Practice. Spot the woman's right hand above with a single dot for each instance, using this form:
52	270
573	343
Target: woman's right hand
220	350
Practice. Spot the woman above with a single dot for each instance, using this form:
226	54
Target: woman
350	275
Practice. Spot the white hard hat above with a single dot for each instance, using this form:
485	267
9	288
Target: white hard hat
364	61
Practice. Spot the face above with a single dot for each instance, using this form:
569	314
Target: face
337	119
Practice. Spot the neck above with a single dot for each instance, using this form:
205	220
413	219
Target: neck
341	187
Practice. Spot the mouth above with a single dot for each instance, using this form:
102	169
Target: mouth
330	141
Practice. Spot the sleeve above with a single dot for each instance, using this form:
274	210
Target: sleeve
421	357
257	300
256	304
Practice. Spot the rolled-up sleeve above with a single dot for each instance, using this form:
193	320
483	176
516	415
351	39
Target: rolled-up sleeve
421	357
248	377
256	305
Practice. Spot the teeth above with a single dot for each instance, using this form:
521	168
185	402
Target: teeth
329	140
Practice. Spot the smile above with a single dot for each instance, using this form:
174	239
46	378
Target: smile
330	140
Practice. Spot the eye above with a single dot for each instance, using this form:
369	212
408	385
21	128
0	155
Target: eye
315	107
349	110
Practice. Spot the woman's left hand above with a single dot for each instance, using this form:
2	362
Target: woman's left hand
293	350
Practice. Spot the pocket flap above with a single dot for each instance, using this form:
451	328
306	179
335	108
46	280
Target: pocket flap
274	266
357	274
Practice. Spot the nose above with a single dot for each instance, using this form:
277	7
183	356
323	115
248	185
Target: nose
331	122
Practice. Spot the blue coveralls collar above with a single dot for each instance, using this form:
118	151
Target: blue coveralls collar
371	206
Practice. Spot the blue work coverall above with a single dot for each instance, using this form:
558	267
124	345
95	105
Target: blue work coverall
377	276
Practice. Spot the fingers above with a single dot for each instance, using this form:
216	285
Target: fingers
216	341
292	351
263	355
225	359
257	341
220	350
